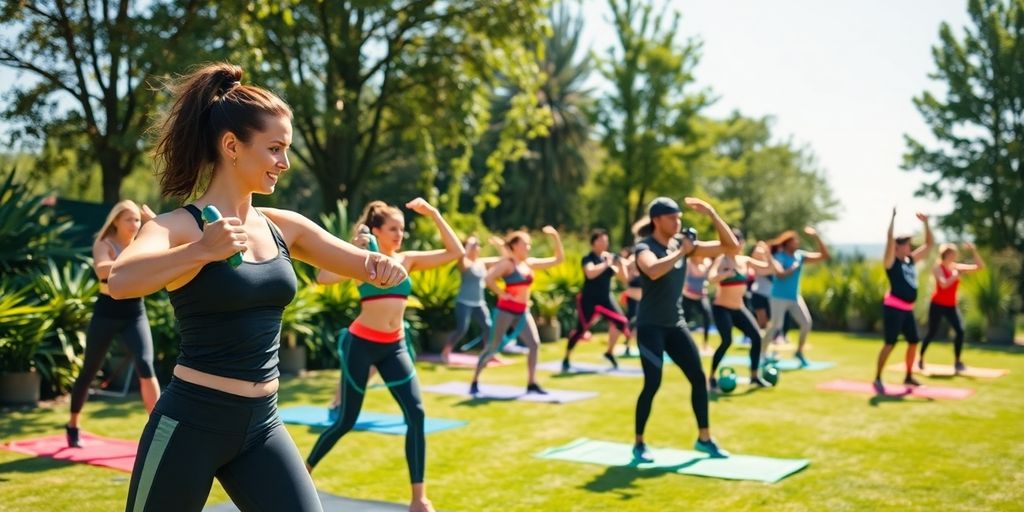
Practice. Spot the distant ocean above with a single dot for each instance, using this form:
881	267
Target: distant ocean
868	251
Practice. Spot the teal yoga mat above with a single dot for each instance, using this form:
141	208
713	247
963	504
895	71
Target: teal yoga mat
392	424
785	365
685	462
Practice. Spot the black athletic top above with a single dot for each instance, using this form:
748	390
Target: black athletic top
662	301
230	318
599	287
903	279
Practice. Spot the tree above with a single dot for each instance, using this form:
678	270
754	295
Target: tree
977	158
766	186
648	113
90	62
539	188
369	80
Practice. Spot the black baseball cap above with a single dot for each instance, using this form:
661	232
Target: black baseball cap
662	206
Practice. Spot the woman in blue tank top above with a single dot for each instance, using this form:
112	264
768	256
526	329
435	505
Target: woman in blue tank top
376	337
226	141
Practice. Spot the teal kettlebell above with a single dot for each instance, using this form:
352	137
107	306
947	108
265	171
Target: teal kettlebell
770	374
727	379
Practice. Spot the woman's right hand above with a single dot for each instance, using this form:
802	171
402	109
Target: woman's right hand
362	238
384	272
223	239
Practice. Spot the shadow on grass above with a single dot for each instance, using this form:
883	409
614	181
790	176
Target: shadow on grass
877	400
620	479
31	465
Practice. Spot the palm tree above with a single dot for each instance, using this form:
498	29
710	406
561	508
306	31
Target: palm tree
542	187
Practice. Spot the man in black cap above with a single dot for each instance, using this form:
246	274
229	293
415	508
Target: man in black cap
661	327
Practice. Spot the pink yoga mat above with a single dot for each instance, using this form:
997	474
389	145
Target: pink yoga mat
97	451
945	370
853	386
460	360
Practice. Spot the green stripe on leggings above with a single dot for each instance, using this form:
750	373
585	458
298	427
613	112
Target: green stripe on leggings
161	438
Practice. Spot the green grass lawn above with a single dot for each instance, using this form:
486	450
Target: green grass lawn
865	454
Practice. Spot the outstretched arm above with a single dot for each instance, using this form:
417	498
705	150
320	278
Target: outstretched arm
890	243
543	263
929	240
822	253
726	240
422	260
971	267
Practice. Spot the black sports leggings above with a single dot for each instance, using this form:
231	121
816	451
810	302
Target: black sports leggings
654	342
196	434
589	307
395	366
692	307
936	313
134	333
725	319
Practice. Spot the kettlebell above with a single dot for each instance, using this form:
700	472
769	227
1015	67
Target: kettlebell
770	374
727	379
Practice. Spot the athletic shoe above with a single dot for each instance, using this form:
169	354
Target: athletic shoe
879	387
911	381
611	359
566	366
803	360
713	384
758	382
474	388
333	413
959	367
72	434
920	363
535	388
641	453
628	352
711	448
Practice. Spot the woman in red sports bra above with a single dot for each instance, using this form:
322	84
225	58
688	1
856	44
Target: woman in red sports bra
514	301
947	274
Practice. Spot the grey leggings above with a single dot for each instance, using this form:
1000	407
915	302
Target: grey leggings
502	323
463	313
797	309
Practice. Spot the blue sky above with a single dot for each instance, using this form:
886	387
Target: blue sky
837	76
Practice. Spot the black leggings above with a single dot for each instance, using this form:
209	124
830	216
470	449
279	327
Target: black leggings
463	313
703	307
654	342
725	319
196	434
395	366
135	335
936	313
589	307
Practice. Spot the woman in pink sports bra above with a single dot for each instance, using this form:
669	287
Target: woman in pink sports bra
947	274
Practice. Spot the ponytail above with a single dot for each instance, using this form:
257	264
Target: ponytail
207	103
377	213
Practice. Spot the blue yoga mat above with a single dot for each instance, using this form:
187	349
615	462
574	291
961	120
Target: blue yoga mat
784	364
685	462
369	421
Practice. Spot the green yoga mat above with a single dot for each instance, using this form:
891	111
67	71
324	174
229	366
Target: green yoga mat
686	462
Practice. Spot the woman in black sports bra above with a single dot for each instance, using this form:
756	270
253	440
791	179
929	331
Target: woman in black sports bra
218	416
124	318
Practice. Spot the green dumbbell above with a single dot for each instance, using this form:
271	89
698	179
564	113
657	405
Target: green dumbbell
212	214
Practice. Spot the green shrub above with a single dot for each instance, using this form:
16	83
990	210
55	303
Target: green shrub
67	292
29	230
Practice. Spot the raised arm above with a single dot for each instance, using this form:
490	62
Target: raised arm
822	253
941	280
971	267
313	244
501	269
726	240
929	240
543	263
889	257
654	267
166	251
422	260
714	275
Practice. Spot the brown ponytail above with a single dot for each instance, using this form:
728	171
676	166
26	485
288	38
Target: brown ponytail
377	213
515	238
208	102
643	228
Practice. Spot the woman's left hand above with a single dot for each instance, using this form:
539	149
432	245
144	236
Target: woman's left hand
420	206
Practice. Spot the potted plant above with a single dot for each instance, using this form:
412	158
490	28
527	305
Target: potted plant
547	305
435	291
22	326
